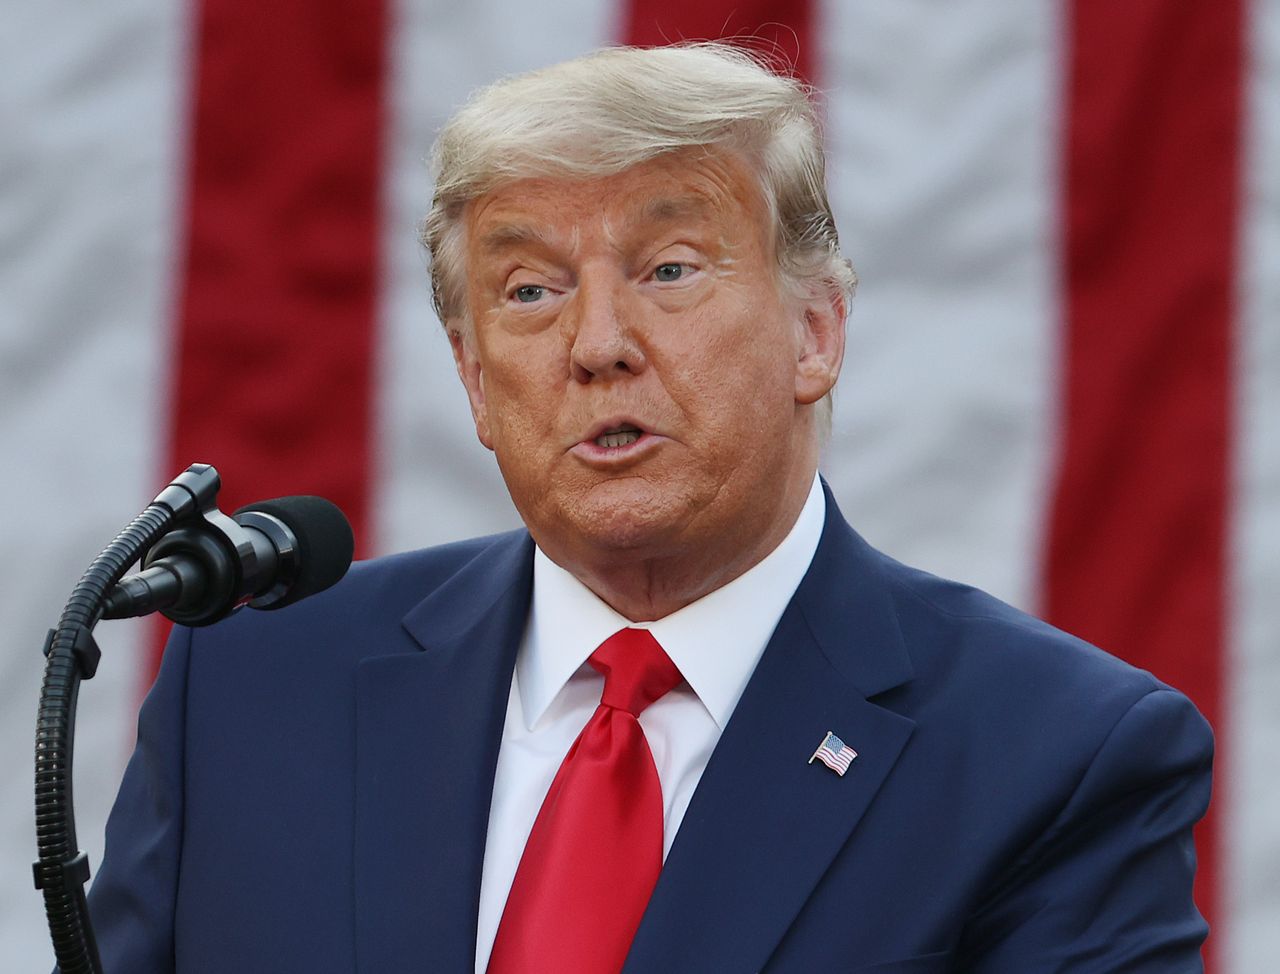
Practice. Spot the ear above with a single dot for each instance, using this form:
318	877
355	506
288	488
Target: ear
471	372
821	346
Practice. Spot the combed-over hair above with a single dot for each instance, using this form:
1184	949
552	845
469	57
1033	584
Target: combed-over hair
603	113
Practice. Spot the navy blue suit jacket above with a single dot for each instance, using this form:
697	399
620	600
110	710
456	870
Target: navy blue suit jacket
311	787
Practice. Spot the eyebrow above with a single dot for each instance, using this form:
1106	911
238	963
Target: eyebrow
675	208
507	235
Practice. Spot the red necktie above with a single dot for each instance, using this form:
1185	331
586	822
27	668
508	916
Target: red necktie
595	851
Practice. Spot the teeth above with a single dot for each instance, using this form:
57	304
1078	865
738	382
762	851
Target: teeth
622	438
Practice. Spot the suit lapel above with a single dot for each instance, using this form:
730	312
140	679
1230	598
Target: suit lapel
429	725
764	825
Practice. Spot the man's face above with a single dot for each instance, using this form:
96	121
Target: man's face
634	364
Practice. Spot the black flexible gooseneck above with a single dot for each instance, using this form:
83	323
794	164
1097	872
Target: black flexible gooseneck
72	656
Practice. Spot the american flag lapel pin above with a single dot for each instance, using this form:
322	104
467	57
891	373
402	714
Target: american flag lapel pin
834	753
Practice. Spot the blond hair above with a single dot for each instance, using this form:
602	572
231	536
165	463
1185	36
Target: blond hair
607	111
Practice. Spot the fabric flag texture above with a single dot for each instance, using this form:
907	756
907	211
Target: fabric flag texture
1062	382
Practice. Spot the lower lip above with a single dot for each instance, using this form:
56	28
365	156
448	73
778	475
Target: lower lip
597	455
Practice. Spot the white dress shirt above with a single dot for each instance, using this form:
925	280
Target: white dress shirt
715	642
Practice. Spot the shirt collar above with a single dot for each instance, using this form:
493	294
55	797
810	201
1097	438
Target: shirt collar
715	641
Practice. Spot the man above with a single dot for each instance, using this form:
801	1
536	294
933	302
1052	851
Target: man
688	720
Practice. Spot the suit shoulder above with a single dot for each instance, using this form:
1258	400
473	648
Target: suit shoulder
954	629
992	679
422	570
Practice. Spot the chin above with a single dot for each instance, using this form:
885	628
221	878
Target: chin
625	520
642	540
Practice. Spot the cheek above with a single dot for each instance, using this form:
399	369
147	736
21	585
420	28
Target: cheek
739	360
521	392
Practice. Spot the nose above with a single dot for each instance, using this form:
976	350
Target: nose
602	338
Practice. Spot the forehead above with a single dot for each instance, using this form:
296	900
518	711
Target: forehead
711	188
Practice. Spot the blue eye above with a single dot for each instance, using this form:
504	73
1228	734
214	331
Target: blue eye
669	272
529	293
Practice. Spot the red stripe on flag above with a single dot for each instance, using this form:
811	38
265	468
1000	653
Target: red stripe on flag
1136	555
275	345
782	29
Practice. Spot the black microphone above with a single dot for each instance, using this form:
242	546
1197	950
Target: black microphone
268	555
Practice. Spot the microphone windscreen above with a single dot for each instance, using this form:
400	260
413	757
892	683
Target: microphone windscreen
324	541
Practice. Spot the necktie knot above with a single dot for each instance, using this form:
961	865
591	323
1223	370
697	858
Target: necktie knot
637	671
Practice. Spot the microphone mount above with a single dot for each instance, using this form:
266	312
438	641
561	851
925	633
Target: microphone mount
196	573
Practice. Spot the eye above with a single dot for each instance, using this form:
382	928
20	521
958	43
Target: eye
529	293
668	272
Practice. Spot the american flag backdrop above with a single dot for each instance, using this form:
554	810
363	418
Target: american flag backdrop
1062	381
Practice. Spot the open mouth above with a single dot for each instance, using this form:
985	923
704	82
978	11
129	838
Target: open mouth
618	436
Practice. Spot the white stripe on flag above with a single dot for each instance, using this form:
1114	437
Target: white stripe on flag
1251	788
944	179
92	96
